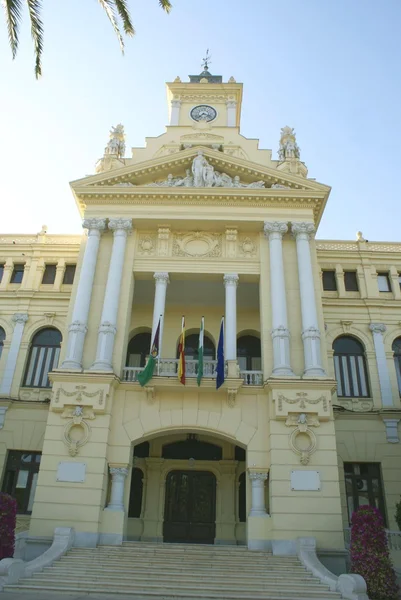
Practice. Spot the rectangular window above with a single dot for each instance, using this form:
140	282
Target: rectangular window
383	281
399	279
17	274
351	281
329	281
69	274
20	478
49	275
363	485
1	271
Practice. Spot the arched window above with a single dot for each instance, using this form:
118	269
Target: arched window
2	338
43	358
192	345
135	497
242	498
249	353
397	360
138	350
350	368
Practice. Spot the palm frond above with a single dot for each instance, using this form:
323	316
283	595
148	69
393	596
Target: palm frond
122	9
109	8
34	7
12	9
166	5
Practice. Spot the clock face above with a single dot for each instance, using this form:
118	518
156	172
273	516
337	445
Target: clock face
203	112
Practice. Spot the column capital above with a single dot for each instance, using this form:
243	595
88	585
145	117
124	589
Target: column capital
231	279
272	227
120	224
20	318
260	476
161	277
303	228
176	103
231	103
77	327
118	471
379	328
94	224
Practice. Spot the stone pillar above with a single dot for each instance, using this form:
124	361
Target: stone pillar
108	329
19	319
230	333
118	475
152	520
258	508
225	531
7	272
60	270
159	307
78	327
310	328
231	113
175	112
274	231
377	330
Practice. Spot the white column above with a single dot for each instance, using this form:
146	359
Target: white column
19	319
108	323
159	307
78	327
231	113
175	112
377	330
118	475
258	508
231	283
274	231
310	328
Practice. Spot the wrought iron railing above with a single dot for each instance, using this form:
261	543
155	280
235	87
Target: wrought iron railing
393	537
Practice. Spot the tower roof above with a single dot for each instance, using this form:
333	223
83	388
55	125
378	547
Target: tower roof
205	73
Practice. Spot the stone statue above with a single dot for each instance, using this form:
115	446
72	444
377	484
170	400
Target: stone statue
278	186
203	174
288	145
198	166
116	143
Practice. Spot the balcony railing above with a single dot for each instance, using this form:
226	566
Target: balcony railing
393	537
168	367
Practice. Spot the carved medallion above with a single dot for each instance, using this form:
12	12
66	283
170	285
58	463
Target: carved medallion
197	244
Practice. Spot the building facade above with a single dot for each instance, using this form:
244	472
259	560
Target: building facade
200	222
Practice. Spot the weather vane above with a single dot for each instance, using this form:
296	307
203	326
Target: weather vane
206	61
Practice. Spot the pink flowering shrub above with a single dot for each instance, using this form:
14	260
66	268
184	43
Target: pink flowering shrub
8	517
370	554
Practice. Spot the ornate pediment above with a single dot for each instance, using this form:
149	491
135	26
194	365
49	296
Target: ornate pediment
184	170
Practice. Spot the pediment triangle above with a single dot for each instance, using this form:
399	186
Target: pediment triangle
176	171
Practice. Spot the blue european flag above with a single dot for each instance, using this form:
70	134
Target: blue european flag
220	357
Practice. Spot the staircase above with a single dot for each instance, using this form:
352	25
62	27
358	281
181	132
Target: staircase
177	572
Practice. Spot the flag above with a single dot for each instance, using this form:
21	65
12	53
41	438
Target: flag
220	357
181	354
200	351
147	374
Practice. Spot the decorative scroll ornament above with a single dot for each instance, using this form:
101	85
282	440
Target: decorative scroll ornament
231	397
303	433
302	400
78	422
79	394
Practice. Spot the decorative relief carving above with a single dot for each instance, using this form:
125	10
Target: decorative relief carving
197	244
302	440
231	397
80	394
77	431
147	245
302	400
247	247
150	395
356	404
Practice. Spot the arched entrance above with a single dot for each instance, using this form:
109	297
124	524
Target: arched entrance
190	507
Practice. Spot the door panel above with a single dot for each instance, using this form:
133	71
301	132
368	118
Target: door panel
190	507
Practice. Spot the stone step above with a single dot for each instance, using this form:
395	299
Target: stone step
161	592
170	595
188	559
206	582
182	572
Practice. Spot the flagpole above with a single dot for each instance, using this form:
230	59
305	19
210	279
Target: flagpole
158	356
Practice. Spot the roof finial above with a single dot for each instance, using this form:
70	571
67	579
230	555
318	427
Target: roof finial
206	61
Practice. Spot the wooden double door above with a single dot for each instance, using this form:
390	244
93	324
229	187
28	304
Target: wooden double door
190	507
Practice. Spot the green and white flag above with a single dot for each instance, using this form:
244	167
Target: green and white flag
200	351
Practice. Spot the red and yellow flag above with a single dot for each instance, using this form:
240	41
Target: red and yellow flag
181	354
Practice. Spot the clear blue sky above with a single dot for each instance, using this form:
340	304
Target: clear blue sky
329	68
